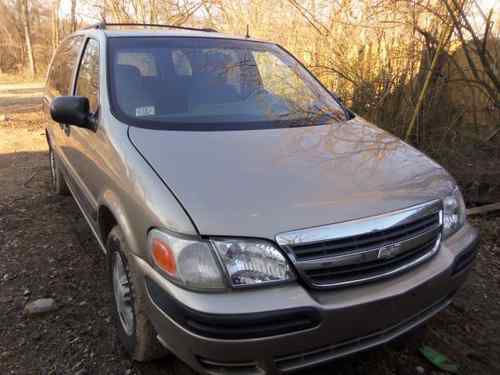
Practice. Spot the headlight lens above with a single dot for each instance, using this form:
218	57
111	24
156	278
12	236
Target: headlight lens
190	263
252	262
453	213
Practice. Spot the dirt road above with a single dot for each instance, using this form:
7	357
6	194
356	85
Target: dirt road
20	97
46	250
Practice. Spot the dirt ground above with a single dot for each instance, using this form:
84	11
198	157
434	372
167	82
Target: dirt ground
20	97
47	250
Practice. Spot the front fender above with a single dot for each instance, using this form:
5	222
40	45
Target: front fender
111	201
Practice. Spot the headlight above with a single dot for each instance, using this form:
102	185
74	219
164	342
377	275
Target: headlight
190	263
252	262
453	213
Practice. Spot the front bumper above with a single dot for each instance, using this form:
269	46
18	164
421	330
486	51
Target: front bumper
335	322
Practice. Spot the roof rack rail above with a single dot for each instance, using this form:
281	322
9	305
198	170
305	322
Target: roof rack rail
105	25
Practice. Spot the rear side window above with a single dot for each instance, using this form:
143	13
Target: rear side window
87	83
61	72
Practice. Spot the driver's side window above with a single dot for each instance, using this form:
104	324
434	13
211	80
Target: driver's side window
87	83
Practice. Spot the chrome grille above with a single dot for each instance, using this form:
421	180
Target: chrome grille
367	249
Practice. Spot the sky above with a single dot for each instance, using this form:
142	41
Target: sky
486	6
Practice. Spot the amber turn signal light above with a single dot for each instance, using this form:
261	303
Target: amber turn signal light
164	257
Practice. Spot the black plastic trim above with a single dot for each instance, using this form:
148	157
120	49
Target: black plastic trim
105	26
233	326
309	359
230	368
466	257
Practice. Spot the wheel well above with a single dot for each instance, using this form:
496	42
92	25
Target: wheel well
106	221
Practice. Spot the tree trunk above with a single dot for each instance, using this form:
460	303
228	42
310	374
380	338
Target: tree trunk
103	11
27	36
55	25
73	16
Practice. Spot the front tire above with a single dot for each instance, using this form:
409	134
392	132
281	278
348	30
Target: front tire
58	183
135	331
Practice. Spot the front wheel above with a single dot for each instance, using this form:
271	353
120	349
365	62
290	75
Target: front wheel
135	331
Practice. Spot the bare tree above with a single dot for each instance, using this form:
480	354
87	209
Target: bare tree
55	24
481	62
28	37
73	16
176	12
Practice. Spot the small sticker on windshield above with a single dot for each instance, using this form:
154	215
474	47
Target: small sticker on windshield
145	111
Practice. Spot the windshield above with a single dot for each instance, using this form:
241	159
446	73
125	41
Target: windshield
213	84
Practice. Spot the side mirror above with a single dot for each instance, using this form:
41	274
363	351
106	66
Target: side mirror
71	110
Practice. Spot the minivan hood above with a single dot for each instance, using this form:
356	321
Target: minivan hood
259	183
